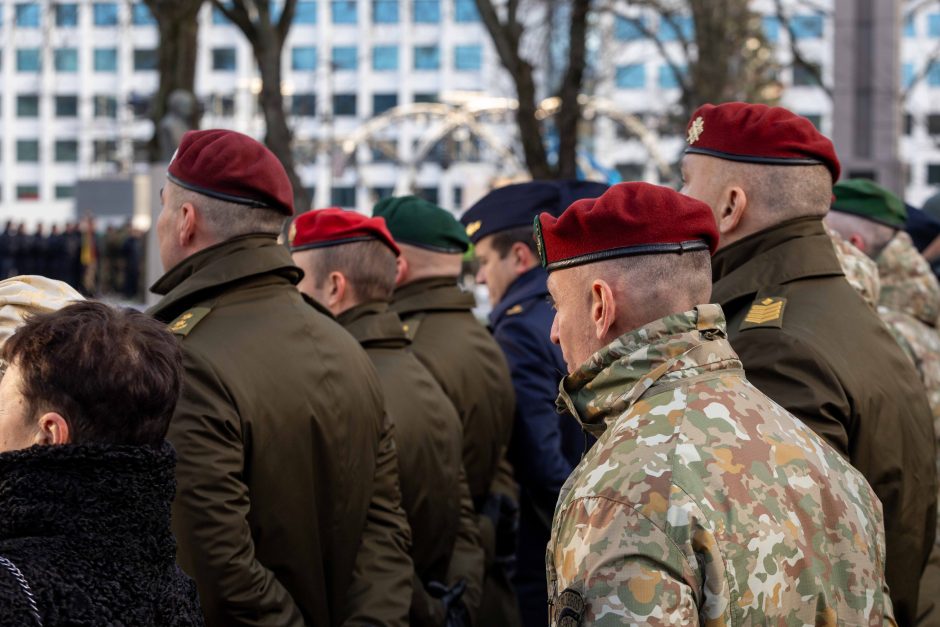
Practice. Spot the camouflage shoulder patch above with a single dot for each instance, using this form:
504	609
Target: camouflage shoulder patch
766	313
513	311
569	608
185	323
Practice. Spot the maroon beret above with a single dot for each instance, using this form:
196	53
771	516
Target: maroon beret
232	167
628	219
756	133
331	227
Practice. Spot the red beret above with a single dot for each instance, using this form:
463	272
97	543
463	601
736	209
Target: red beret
232	167
331	227
628	219
756	133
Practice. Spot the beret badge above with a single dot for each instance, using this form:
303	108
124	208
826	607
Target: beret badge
539	241
695	130
473	227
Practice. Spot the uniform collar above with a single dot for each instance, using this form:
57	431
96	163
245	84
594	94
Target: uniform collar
788	251
434	294
670	349
531	284
372	324
220	265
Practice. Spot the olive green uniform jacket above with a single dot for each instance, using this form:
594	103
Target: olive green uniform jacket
809	341
429	438
282	463
468	363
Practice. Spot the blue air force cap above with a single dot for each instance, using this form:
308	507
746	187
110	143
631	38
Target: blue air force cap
517	205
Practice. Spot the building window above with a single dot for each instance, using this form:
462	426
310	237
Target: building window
27	106
27	60
105	13
933	25
27	192
64	192
345	58
458	197
344	104
66	106
426	97
427	11
910	29
428	193
907	75
628	30
814	118
468	58
65	60
933	174
385	11
223	59
26	15
105	150
466	11
343	196
670	29
66	151
27	150
385	58
141	15
305	13
631	76
803	77
105	59
384	151
303	58
933	124
383	102
145	59
427	58
218	18
303	105
771	29
220	106
630	171
66	15
105	107
908	123
344	11
807	26
381	193
933	75
668	78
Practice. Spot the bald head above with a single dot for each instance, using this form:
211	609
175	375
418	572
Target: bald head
868	236
597	303
418	263
750	197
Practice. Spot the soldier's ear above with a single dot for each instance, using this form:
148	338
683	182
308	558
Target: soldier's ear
401	269
603	309
733	205
187	224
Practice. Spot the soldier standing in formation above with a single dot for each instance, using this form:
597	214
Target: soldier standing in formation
545	445
805	336
703	500
349	267
287	509
471	369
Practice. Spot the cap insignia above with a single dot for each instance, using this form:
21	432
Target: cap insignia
539	242
473	227
695	131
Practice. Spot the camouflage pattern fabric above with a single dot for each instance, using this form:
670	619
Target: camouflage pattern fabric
907	283
860	270
703	500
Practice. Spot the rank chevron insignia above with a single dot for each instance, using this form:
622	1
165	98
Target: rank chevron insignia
767	312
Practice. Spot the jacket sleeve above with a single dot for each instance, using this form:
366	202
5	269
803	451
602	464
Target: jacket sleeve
381	589
210	511
536	446
467	561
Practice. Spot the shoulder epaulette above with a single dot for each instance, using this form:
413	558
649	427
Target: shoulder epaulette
765	313
513	311
188	320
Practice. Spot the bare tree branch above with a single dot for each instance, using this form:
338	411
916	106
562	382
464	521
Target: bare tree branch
677	69
931	60
798	59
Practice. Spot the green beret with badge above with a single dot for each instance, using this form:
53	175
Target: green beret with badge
866	199
418	222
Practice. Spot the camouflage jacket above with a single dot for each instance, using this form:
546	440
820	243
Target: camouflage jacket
860	270
908	284
703	500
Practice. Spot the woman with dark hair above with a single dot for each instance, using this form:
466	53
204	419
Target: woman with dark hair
86	477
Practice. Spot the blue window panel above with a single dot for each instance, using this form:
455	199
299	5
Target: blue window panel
145	59
668	32
344	11
468	58
910	30
65	59
303	58
141	15
933	75
771	29
427	11
66	15
224	59
28	60
631	76
907	75
276	8
383	102
629	30
345	57
305	13
105	13
385	11
427	58
218	18
105	59
27	15
807	26
466	11
933	25
385	58
668	78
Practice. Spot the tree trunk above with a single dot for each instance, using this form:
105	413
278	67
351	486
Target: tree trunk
569	114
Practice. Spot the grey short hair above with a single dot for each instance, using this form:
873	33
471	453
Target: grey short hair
783	191
369	267
225	220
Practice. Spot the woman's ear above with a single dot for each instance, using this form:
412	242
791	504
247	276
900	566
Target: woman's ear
53	430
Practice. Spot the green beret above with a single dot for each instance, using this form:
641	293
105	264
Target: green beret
869	200
416	221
